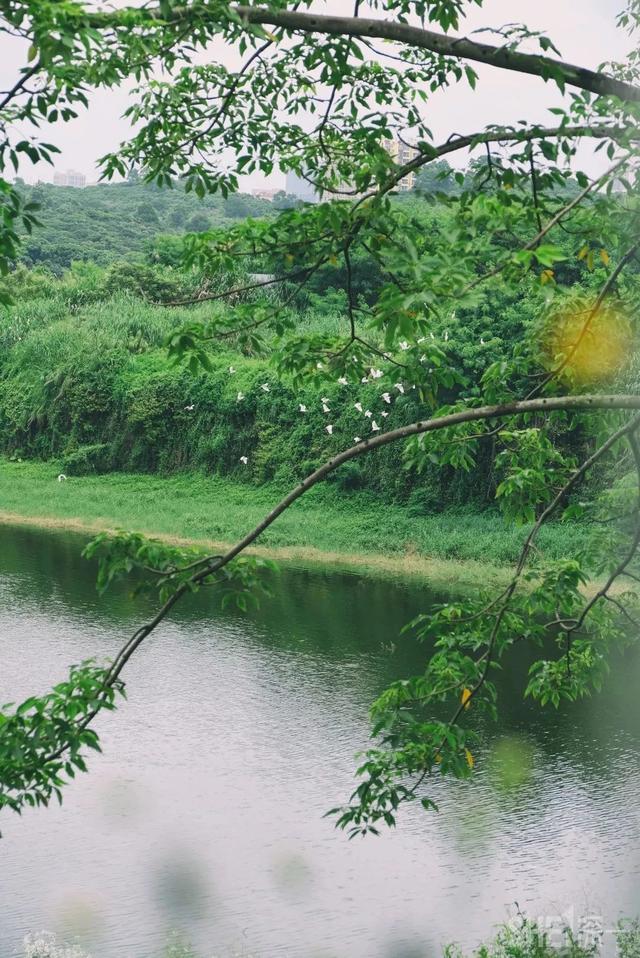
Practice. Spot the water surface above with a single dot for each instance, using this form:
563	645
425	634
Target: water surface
205	811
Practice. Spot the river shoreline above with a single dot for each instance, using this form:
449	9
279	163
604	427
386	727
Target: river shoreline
450	573
327	529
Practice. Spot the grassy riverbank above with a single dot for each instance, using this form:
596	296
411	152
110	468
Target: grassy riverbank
324	527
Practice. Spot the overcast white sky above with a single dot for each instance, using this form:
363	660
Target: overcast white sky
584	31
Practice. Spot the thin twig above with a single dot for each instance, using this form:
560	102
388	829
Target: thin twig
611	279
534	187
209	298
19	84
564	211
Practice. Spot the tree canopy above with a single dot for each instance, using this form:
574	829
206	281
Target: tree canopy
322	96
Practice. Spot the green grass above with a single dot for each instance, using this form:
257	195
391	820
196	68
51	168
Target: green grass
201	508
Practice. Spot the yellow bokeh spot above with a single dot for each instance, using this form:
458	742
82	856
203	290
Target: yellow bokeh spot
590	347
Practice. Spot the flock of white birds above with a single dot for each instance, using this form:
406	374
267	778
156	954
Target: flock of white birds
325	401
372	376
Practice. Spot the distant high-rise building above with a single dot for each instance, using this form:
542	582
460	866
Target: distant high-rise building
70	178
402	153
301	188
264	193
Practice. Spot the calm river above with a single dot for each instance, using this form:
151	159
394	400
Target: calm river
205	812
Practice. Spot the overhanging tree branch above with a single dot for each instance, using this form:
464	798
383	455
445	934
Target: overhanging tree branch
211	564
507	594
430	155
237	290
452	145
459	48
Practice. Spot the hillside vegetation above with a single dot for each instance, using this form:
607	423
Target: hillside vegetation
112	221
86	380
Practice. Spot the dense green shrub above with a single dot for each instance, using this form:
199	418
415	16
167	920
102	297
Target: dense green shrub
85	460
93	386
84	373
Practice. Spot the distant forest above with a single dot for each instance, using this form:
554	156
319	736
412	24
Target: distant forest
109	222
115	221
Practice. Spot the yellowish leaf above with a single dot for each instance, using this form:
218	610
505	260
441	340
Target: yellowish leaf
469	758
583	252
604	256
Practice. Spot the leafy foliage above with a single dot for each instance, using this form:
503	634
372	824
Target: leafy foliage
44	739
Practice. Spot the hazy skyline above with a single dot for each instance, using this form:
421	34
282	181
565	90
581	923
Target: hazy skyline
501	97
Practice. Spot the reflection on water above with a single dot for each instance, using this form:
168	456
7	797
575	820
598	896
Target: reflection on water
205	812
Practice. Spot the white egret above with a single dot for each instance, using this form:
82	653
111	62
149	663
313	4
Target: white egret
446	335
329	428
357	439
368	413
375	373
62	477
324	399
404	345
358	406
384	414
244	459
190	408
231	370
239	397
386	397
265	387
375	427
343	380
399	387
364	380
319	366
302	407
325	408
